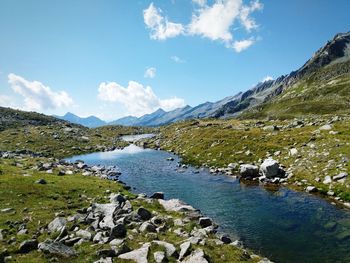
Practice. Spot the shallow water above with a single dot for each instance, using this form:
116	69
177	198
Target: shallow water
283	225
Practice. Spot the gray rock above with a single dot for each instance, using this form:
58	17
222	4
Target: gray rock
117	199
205	222
104	260
138	255
225	239
7	210
325	127
28	245
118	231
159	257
311	189
144	214
249	171
147	227
196	256
169	248
57	224
106	253
41	181
157	195
184	249
271	168
340	176
56	248
106	211
84	234
70	242
175	205
327	180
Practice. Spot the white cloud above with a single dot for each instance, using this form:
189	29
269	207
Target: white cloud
137	99
5	101
241	45
177	59
200	2
267	78
214	21
160	27
37	96
150	73
210	21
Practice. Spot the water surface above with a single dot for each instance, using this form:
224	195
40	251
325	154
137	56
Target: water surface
284	225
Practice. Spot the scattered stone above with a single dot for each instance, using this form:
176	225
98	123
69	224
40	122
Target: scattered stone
293	152
170	159
175	205
147	227
84	234
325	127
249	171
117	199
197	256
205	222
28	245
41	181
138	255
7	210
271	168
311	189
169	248
340	176
104	260
119	231
184	249
157	195
57	224
327	180
144	214
56	248
225	239
159	257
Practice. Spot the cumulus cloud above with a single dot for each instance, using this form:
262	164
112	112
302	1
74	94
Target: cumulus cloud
159	25
267	78
214	22
150	73
137	99
177	59
37	96
241	45
5	101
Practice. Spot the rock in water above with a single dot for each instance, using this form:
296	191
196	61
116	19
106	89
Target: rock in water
158	195
138	255
56	248
249	171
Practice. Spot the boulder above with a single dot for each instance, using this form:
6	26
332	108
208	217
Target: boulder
169	248
157	195
196	256
225	239
84	234
57	249
340	176
327	180
249	171
184	249
205	222
117	199
28	245
144	214
147	227
293	152
57	224
159	257
271	169
137	255
106	211
41	181
104	260
311	189
175	205
118	231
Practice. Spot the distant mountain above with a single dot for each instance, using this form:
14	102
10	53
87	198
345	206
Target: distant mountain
320	86
90	121
126	121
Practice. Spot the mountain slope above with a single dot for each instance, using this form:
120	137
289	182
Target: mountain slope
90	121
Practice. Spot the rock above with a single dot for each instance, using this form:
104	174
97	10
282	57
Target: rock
144	214
70	242
157	195
293	152
184	249
175	205
56	248
159	257
327	180
104	260
265	260
249	171
138	255
225	239
170	159
311	189
84	234
28	245
147	227
169	248
106	253
106	211
205	222
232	165
326	127
7	210
197	256
270	128
271	168
117	199
340	176
57	224
119	231
22	232
116	242
41	181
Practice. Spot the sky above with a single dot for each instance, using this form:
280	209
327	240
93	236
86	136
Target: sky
113	58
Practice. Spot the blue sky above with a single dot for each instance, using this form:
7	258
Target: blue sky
116	58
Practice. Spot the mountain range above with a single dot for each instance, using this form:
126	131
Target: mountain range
320	86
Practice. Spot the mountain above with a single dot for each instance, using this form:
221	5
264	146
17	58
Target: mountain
90	121
125	121
320	86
